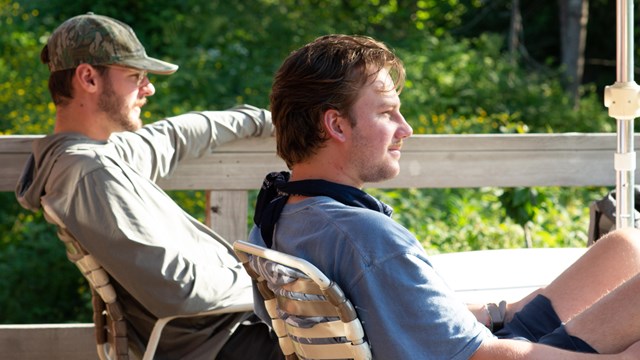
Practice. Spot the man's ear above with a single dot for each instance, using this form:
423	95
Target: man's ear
87	77
335	124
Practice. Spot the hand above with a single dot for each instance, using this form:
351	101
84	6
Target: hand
481	313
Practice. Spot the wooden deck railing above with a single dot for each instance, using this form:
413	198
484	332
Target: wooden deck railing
428	161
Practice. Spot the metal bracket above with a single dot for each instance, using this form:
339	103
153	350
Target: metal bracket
623	100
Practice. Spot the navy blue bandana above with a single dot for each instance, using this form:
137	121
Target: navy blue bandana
276	189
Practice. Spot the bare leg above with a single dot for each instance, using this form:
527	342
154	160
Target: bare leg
614	259
613	323
597	297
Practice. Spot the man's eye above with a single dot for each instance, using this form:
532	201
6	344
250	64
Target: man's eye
140	77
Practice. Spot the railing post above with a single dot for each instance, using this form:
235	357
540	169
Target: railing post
227	213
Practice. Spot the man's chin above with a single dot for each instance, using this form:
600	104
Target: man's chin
383	175
132	125
136	123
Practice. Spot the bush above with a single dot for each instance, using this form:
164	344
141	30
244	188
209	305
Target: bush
38	283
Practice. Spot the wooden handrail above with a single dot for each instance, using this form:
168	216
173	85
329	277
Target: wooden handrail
428	161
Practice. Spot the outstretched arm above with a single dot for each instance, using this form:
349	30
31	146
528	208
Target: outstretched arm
156	149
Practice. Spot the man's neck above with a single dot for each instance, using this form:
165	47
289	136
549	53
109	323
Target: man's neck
325	166
78	119
323	173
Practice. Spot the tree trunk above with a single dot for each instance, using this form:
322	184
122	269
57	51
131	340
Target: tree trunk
574	15
515	30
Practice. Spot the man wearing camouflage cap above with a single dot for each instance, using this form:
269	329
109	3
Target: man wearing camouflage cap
95	177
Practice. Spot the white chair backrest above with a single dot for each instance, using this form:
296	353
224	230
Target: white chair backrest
310	314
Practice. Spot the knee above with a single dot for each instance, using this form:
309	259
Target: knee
626	240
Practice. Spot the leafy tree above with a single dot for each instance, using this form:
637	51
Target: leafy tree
23	87
38	282
522	205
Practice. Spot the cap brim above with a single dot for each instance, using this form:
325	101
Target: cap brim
151	65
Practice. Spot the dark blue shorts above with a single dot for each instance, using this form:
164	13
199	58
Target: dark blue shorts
537	322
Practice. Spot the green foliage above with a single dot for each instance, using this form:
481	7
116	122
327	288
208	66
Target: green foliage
449	220
38	283
522	204
470	86
460	80
23	86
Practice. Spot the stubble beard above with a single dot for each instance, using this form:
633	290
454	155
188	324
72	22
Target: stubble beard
113	105
377	173
374	171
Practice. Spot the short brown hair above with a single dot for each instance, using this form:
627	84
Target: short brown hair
60	82
325	74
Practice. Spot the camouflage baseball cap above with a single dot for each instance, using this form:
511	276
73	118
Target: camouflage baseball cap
99	40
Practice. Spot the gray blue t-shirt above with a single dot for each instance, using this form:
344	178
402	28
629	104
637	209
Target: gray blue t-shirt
406	308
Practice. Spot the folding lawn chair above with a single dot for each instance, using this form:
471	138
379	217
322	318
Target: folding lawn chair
310	314
108	316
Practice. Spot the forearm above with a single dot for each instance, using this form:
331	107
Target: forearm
481	312
239	122
156	149
490	315
521	350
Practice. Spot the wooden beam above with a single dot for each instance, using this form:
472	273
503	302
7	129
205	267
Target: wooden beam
227	213
48	341
428	161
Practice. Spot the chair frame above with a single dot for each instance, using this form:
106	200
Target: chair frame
348	325
108	315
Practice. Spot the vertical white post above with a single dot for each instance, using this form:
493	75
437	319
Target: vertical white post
622	99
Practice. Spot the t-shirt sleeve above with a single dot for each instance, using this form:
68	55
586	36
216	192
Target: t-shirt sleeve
402	296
